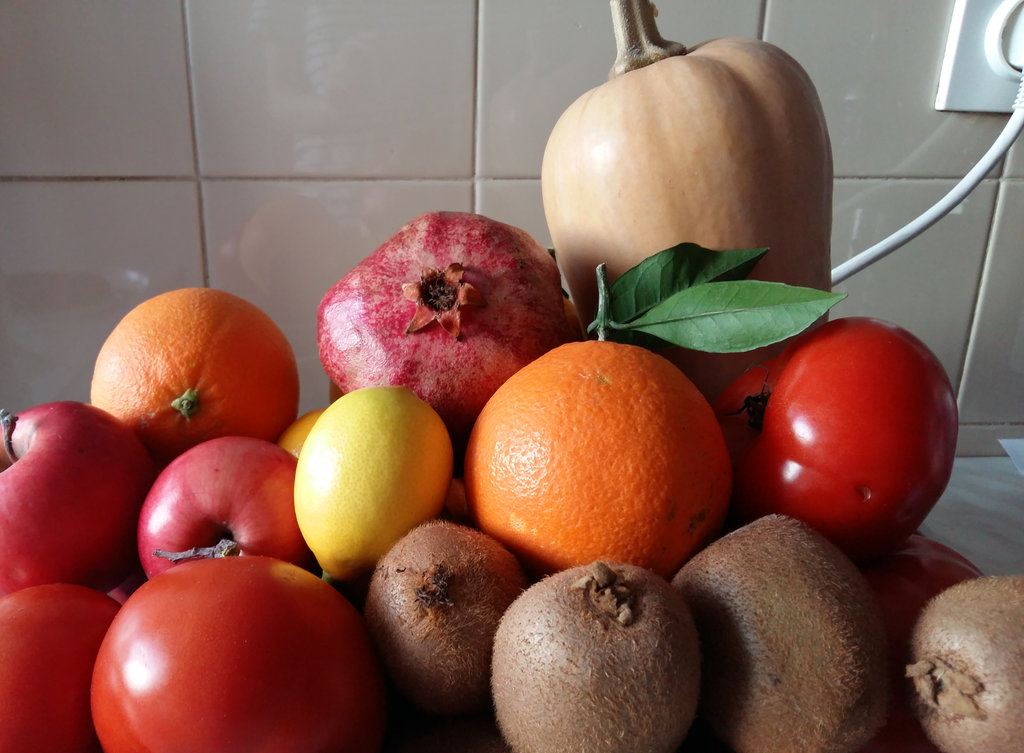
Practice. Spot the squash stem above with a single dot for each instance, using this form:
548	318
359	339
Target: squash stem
638	42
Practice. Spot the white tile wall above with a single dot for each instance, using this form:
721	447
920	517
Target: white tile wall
929	288
357	89
995	358
265	146
876	66
93	89
76	255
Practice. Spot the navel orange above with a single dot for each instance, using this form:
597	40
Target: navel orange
193	364
295	435
598	450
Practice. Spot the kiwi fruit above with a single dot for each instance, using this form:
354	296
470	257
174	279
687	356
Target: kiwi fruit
598	658
967	666
433	605
792	641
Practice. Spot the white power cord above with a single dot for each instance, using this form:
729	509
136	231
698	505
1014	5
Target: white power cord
1011	131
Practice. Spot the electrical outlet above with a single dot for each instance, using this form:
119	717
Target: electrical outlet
977	74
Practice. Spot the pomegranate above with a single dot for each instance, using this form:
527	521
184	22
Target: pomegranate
450	306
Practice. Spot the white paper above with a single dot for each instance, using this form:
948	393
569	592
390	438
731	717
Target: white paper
1015	449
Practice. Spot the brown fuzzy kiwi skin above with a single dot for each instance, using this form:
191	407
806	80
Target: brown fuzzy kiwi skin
792	641
432	606
967	666
599	658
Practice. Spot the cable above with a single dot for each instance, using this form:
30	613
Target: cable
1011	131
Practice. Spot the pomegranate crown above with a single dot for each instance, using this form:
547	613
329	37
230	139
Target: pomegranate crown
439	297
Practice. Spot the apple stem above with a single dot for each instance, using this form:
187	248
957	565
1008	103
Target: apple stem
223	548
8	420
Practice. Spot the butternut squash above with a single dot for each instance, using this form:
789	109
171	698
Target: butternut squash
724	145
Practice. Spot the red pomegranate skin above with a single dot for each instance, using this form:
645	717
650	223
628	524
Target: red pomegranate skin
362	319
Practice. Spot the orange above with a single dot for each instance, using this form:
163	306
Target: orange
598	450
294	436
193	364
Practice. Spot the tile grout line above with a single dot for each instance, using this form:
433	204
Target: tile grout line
474	110
1001	180
983	274
256	178
204	257
307	178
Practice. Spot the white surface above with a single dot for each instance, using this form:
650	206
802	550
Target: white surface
1015	449
1004	39
981	514
967	82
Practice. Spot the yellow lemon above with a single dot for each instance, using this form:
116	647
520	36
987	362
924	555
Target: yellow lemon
376	463
295	435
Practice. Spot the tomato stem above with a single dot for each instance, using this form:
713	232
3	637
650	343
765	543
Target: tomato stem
8	420
755	405
223	548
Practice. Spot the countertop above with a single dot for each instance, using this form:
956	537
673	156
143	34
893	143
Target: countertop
981	514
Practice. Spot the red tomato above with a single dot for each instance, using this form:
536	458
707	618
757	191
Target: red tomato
49	636
238	654
903	582
858	436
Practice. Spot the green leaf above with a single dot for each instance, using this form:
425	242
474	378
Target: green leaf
665	273
729	316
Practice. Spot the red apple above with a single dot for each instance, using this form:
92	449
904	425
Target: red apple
238	490
70	499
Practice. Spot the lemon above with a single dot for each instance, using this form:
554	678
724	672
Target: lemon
375	464
295	435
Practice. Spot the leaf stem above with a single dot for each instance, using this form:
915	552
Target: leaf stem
601	321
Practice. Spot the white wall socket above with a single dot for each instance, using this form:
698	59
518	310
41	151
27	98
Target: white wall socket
977	73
